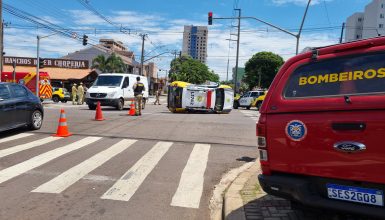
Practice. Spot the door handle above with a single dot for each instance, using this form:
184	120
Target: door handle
349	126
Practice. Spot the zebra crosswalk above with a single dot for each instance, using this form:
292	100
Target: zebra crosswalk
187	194
251	114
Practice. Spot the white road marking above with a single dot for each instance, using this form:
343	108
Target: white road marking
15	137
21	147
71	176
190	187
127	185
41	159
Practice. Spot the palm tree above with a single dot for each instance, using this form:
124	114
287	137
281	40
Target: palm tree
100	63
113	64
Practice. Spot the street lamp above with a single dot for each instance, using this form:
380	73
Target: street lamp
38	60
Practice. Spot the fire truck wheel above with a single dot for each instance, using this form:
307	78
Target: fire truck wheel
55	99
36	120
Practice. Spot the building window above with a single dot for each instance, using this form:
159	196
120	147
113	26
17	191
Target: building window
358	36
381	15
359	19
381	26
382	5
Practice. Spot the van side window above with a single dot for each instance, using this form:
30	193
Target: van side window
126	82
350	75
4	92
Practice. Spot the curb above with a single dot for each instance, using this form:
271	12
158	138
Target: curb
217	200
233	206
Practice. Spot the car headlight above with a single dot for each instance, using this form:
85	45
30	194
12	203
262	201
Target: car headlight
111	95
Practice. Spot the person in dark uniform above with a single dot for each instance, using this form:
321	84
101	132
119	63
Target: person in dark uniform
138	93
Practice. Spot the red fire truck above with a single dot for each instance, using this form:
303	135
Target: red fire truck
29	80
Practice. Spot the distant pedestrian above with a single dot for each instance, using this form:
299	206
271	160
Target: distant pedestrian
85	91
138	93
157	95
80	94
74	93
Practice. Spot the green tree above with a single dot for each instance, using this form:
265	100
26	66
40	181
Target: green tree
262	66
113	64
100	63
190	70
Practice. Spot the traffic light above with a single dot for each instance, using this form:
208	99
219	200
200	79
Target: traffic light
41	63
210	18
85	39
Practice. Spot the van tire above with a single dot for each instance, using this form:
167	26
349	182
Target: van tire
248	107
120	105
64	101
92	107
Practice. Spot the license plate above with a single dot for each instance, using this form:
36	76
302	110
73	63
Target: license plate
355	194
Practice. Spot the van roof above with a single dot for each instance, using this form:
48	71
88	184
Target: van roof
120	74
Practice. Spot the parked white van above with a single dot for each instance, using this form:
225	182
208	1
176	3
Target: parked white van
114	89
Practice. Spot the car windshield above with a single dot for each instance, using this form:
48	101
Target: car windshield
108	81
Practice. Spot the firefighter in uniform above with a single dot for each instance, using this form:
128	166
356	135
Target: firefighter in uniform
138	92
80	94
74	93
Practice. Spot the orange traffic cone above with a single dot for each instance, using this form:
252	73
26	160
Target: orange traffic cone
62	129
99	114
132	108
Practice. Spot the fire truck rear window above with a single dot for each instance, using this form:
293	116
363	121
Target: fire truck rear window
353	75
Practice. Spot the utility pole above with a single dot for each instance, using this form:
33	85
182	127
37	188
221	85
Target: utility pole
300	29
37	66
142	56
236	61
342	31
1	40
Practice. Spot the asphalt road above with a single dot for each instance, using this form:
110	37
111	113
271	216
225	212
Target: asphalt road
157	166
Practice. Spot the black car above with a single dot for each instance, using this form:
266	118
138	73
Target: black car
19	107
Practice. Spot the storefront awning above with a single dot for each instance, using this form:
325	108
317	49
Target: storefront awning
54	73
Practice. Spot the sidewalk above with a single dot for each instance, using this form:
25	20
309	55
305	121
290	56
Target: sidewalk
245	200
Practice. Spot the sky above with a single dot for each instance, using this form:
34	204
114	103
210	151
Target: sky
163	23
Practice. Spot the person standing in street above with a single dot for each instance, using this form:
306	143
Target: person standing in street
80	94
138	93
74	93
157	94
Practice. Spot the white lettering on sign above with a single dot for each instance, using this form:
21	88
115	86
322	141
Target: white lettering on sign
25	61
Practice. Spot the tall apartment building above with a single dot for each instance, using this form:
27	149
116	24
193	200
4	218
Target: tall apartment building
367	24
195	42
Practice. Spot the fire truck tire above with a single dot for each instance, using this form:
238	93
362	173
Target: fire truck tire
55	99
36	120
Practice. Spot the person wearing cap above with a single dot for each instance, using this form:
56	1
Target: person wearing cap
74	93
138	88
80	93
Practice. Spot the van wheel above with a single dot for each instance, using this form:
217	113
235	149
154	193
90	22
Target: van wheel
36	120
92	107
248	107
55	99
120	105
